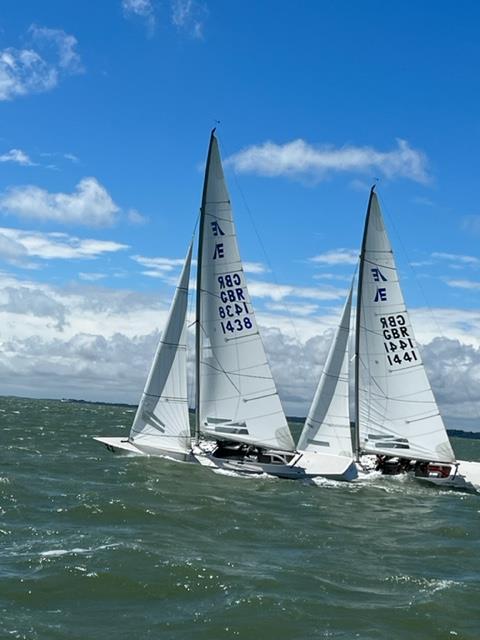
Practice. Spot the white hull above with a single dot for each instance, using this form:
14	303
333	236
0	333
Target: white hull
123	446
467	476
301	466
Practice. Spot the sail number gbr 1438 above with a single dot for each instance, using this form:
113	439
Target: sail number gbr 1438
233	312
399	346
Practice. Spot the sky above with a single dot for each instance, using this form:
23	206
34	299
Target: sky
106	110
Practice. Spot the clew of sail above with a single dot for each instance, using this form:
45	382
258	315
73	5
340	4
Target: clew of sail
162	421
327	426
397	413
236	394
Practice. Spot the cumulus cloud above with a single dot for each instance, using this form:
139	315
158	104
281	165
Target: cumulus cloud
25	71
337	256
17	245
26	301
89	204
299	159
97	343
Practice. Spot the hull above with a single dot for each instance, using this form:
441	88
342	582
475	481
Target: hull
301	465
123	446
464	475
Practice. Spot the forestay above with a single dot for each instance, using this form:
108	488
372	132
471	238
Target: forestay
397	411
162	419
238	399
327	427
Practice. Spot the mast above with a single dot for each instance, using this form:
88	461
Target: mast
356	443
198	336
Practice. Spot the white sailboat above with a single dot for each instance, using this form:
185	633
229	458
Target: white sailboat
397	419
161	424
326	436
238	406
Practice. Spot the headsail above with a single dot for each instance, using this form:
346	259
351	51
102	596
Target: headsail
237	398
327	427
162	420
396	410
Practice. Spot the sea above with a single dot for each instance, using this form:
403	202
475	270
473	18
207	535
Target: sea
99	546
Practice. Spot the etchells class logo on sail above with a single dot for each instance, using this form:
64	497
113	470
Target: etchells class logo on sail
233	312
398	343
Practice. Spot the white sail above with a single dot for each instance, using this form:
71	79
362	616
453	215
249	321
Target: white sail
237	399
397	413
161	421
327	427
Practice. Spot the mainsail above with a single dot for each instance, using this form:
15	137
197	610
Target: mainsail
396	410
236	395
327	427
161	421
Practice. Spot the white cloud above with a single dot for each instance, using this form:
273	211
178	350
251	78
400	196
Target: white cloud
254	267
142	9
65	45
301	159
19	301
278	292
294	309
135	217
457	259
158	267
17	156
71	157
337	256
16	244
189	16
91	277
25	71
472	285
332	276
89	204
97	343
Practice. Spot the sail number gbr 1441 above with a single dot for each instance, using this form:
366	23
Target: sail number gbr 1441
233	312
398	344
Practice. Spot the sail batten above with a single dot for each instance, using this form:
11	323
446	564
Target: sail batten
161	420
391	383
235	379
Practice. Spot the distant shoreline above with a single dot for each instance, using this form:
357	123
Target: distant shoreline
454	433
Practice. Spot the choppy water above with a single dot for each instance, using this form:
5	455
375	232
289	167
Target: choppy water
99	546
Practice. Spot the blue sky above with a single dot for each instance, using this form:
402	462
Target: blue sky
106	110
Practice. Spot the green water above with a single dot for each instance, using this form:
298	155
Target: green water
99	546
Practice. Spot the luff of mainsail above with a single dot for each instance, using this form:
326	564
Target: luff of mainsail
236	395
327	426
396	411
161	421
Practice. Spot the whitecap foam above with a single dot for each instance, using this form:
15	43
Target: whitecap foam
56	553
